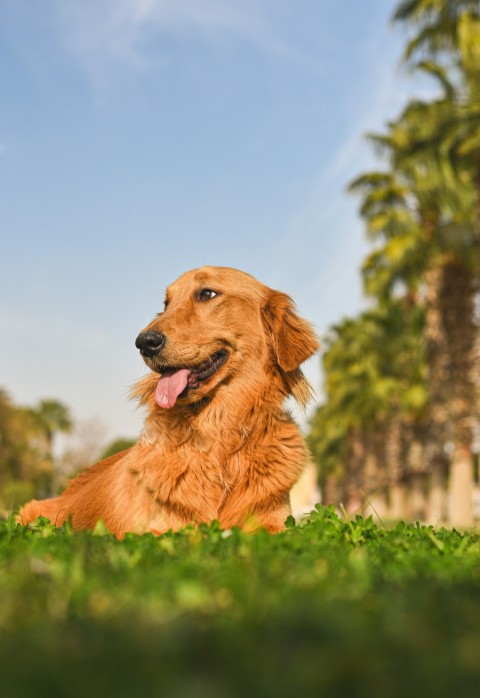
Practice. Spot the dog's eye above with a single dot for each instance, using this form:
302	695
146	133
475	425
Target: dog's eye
206	294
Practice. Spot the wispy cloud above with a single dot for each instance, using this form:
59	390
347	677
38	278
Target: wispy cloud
326	212
102	33
327	220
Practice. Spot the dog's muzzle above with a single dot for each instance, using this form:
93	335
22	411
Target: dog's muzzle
150	343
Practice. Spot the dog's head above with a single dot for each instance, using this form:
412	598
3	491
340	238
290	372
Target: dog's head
220	325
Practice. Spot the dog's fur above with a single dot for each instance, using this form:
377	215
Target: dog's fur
227	449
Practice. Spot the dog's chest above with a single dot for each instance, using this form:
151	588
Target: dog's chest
195	480
189	480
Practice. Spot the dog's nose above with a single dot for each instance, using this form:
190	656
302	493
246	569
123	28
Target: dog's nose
150	343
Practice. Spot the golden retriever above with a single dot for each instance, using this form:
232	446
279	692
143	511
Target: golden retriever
217	442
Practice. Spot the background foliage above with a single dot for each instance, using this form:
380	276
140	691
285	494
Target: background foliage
401	416
29	464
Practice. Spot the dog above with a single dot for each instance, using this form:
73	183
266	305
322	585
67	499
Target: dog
217	443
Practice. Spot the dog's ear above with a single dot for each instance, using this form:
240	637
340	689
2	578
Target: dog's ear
293	339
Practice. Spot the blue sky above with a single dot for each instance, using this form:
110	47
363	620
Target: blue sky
142	138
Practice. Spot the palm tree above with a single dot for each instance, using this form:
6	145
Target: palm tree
423	214
394	267
450	26
441	208
447	35
374	384
447	208
448	32
25	462
54	417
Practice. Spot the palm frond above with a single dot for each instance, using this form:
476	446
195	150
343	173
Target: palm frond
406	10
439	73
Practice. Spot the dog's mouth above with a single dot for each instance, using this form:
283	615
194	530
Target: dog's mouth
175	382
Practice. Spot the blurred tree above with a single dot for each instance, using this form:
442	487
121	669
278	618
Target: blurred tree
444	192
116	446
25	460
446	33
53	417
423	215
429	230
375	394
448	30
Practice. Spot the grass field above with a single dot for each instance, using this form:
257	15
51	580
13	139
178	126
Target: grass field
329	607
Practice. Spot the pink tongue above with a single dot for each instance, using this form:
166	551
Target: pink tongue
170	386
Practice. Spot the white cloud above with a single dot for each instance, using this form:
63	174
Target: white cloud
100	33
326	210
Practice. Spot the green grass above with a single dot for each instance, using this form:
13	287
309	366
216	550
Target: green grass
328	608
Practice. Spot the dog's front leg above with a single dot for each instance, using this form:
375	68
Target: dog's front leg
243	508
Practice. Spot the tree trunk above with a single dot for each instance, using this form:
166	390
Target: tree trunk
354	470
450	334
438	363
437	492
397	505
417	497
461	489
416	505
395	465
376	506
330	489
375	483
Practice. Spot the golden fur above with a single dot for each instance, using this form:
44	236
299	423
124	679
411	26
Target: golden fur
226	450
